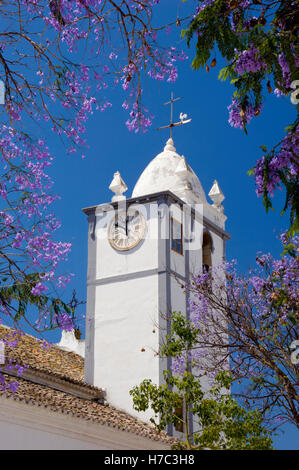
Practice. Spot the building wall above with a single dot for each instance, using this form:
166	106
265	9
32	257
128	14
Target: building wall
132	293
125	336
110	262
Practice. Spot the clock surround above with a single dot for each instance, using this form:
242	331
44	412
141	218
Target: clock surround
126	230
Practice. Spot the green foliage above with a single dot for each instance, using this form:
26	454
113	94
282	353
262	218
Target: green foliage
222	422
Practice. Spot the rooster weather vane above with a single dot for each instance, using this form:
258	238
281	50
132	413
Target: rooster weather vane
183	117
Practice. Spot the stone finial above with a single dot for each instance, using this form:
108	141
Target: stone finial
170	146
118	186
183	172
217	196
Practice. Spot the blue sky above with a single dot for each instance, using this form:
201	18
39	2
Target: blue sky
211	147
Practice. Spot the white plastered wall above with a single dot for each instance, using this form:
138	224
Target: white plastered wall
28	427
125	345
133	291
126	338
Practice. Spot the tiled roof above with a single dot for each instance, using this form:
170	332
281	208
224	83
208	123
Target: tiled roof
69	367
31	352
63	402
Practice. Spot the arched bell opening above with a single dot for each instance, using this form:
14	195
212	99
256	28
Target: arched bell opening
207	248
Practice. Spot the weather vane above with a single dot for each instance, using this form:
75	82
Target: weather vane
183	117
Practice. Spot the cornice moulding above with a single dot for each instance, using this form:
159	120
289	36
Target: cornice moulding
43	378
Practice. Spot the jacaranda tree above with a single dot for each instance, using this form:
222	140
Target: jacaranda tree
249	323
57	60
234	359
218	422
259	41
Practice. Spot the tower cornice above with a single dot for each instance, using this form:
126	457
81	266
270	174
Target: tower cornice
162	195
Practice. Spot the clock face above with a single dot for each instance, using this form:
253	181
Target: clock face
126	230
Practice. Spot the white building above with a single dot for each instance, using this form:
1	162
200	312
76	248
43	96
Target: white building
140	250
54	409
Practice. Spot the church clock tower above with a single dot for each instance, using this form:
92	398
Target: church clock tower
139	251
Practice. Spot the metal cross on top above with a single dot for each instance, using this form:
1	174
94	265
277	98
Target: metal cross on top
172	124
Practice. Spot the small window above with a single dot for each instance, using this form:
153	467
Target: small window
176	236
206	252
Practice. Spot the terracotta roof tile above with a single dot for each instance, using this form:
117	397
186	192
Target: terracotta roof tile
63	402
30	351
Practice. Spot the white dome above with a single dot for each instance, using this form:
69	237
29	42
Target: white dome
169	171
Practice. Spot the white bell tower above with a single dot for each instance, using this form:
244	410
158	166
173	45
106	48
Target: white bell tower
138	249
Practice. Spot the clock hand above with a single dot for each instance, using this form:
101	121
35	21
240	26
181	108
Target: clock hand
120	226
129	219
